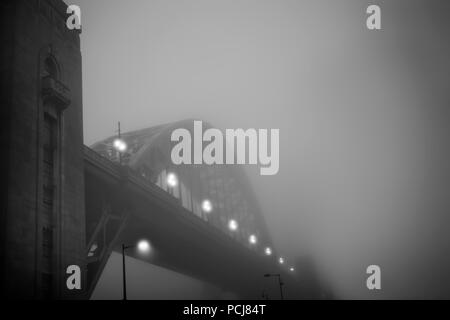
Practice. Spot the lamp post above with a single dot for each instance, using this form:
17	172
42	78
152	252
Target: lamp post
120	139
119	144
144	247
124	277
268	275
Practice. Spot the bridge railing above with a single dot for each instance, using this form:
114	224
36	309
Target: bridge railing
125	173
101	161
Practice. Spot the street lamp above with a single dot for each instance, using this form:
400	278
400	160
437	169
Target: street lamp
207	206
119	144
233	225
291	269
281	260
253	239
172	180
121	147
143	247
268	251
268	275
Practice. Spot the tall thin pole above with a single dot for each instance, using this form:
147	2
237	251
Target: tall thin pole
281	286
124	274
120	136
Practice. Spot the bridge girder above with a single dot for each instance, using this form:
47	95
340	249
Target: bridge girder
122	207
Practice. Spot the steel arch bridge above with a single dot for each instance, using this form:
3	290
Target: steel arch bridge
131	200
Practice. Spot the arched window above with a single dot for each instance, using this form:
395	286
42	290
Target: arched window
51	67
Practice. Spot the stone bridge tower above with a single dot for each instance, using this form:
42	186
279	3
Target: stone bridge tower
42	226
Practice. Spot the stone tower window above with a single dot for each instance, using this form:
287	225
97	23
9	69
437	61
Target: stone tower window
51	68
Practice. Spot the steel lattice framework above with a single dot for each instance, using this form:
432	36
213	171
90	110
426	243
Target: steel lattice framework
225	187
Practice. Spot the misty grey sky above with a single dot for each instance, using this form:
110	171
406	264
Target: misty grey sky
363	117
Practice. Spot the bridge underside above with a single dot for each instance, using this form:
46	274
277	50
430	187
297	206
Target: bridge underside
122	208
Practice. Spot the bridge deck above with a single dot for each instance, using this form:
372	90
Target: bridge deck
182	241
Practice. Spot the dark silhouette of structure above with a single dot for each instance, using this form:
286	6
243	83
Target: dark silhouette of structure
42	207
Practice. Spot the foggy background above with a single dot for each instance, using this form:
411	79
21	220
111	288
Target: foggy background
364	119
